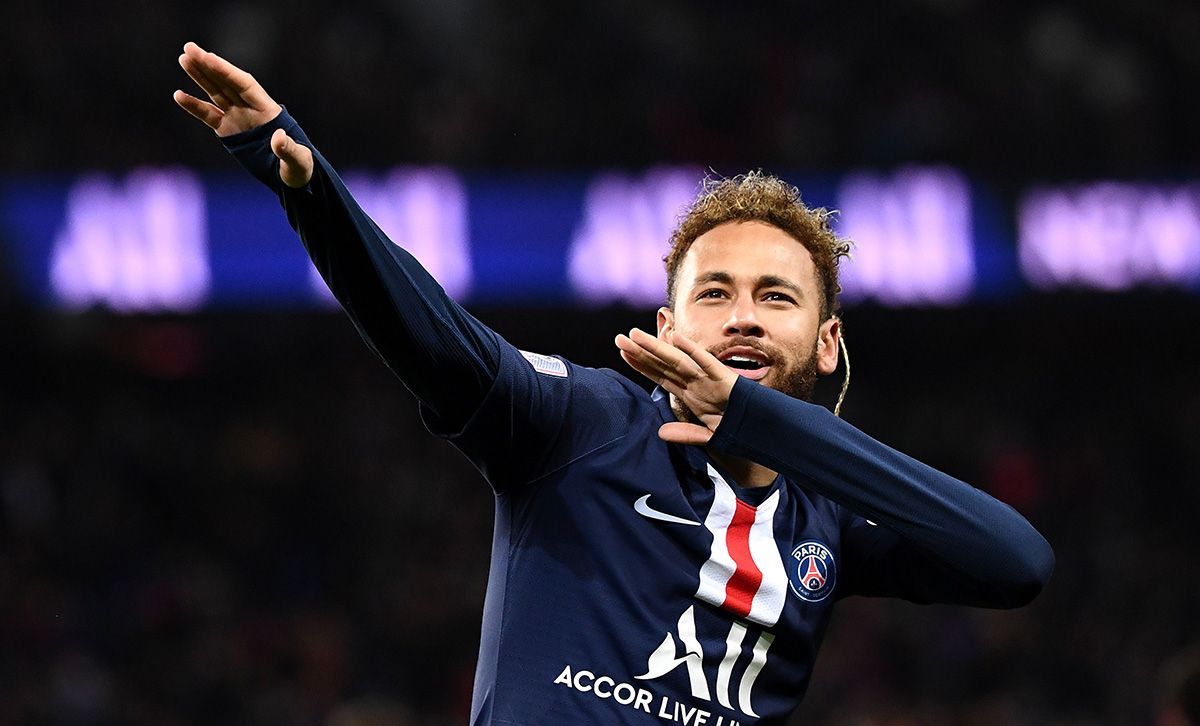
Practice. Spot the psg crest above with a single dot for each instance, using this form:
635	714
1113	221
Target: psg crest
812	571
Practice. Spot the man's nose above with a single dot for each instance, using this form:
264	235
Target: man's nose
742	320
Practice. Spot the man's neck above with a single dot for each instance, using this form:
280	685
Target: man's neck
745	473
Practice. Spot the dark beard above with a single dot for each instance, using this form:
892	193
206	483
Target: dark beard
798	381
801	381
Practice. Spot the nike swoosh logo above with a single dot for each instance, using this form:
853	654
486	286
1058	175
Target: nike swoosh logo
642	507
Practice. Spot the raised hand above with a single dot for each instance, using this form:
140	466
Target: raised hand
688	372
239	103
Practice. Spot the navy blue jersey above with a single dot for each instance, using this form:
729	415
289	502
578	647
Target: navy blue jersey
632	581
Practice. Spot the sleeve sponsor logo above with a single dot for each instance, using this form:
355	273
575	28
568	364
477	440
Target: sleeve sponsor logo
545	364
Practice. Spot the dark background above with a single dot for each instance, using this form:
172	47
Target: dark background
236	518
1017	89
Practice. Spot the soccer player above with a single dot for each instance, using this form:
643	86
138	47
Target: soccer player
667	556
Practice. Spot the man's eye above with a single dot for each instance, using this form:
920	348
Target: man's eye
711	294
779	297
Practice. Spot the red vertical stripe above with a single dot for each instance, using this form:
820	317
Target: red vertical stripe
743	585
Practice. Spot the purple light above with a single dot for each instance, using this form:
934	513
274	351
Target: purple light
1109	236
616	253
424	211
138	245
912	234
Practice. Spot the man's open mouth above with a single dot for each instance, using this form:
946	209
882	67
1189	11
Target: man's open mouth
746	362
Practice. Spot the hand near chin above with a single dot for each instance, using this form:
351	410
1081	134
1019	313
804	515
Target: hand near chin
690	373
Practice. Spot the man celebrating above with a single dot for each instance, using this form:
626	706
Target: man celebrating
667	556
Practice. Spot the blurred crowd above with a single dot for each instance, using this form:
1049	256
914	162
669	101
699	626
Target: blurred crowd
1018	88
240	520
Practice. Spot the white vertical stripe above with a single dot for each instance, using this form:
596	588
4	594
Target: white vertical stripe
757	661
733	649
715	573
772	593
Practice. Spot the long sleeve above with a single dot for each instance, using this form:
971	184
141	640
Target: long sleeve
938	539
507	410
447	358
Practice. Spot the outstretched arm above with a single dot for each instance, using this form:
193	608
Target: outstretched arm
939	539
503	408
447	358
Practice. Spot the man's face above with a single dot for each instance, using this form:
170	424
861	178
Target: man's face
748	293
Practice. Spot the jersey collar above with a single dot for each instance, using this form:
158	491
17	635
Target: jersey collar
694	458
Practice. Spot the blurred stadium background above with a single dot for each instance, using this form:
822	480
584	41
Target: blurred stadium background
217	507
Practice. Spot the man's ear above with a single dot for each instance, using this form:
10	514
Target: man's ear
829	337
666	323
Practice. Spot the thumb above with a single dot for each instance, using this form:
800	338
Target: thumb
295	159
678	432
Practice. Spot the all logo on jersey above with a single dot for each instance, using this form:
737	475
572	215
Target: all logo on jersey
666	658
812	571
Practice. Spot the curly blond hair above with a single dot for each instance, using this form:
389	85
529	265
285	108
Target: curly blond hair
756	196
